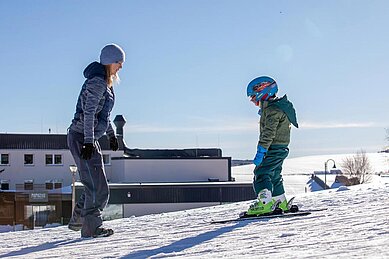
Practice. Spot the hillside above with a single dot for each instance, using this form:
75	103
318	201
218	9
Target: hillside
354	224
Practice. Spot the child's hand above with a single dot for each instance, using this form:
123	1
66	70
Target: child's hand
260	155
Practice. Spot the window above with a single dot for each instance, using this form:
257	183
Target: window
49	159
53	159
58	159
49	185
4	160
4	185
28	184
28	159
106	159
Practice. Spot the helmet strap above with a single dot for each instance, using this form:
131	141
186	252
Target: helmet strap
260	111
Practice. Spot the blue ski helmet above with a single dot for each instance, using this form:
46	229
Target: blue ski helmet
262	88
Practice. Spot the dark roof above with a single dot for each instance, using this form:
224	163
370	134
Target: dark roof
40	141
59	141
173	153
178	192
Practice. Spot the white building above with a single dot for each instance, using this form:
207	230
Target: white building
36	166
40	158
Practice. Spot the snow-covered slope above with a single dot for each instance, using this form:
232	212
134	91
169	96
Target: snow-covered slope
297	171
355	224
308	164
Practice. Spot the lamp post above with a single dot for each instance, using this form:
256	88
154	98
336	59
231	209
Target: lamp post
73	171
325	171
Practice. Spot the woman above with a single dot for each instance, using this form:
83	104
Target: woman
91	121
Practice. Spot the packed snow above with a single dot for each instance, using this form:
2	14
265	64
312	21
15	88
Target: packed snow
354	224
297	171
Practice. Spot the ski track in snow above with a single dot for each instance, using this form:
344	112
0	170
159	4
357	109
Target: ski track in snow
355	224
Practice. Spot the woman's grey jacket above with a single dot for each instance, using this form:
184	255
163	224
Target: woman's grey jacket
94	105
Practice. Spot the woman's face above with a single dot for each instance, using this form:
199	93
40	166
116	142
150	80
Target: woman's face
115	67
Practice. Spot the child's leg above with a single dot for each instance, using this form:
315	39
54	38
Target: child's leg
262	177
267	175
263	186
281	152
264	173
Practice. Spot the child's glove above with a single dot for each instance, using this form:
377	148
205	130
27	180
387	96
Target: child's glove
259	156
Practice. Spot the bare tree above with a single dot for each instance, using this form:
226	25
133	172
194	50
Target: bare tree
357	168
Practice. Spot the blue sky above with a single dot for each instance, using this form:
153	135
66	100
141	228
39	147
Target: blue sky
189	62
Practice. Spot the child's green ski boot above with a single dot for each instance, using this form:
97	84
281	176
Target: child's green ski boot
284	204
264	204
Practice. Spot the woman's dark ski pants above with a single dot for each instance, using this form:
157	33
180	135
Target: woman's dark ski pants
95	196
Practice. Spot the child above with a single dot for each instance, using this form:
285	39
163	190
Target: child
276	115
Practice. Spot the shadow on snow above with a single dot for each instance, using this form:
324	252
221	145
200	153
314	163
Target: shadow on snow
186	243
41	247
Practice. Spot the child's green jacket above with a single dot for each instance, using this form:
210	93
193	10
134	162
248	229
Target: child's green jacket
277	115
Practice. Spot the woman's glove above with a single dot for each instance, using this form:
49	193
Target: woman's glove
87	151
113	143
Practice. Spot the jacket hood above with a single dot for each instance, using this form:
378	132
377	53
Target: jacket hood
94	69
286	106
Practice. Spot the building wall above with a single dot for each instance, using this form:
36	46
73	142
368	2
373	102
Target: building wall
16	172
119	170
172	170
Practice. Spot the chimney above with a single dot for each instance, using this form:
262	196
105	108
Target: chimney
119	122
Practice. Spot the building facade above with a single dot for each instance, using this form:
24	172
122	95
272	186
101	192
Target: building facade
39	158
36	179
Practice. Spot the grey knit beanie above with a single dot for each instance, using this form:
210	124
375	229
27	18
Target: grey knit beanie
112	53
